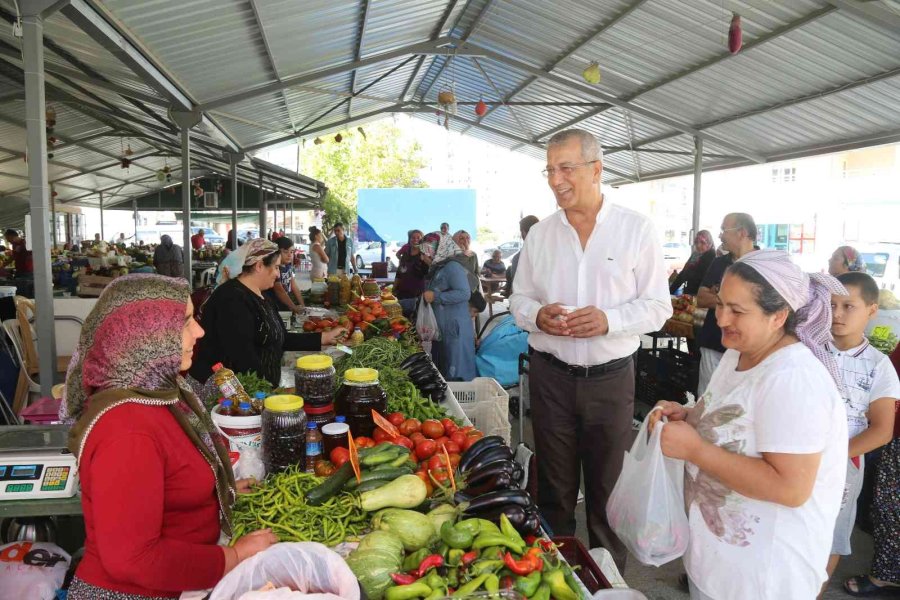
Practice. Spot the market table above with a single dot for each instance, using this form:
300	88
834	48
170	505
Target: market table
51	507
493	286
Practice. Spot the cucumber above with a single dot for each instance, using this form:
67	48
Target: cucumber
371	485
331	486
385	475
405	467
385	456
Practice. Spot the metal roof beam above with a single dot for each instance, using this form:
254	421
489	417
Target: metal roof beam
437	31
487	78
590	38
59	147
779	105
88	171
871	12
99	24
428	47
267	48
590	91
357	53
570	123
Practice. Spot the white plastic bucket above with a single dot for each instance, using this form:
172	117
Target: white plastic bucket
238	432
7	291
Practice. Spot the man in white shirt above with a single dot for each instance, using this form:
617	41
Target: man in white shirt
590	280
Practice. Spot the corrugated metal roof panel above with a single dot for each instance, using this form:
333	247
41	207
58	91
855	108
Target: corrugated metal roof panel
393	24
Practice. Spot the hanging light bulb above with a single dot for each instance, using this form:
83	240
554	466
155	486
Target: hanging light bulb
735	34
338	138
481	108
592	73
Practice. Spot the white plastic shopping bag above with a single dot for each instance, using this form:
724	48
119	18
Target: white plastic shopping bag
426	325
646	507
306	567
33	570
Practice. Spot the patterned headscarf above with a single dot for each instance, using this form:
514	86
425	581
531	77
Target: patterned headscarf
255	250
852	259
130	350
439	247
809	295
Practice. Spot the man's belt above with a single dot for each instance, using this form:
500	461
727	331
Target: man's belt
580	371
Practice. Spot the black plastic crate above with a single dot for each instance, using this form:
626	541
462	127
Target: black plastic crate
665	374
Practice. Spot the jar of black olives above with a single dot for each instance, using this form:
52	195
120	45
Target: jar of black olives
358	396
283	433
314	379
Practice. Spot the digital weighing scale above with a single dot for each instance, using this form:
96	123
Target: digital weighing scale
35	463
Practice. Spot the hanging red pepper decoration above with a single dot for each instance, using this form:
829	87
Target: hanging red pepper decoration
481	108
735	34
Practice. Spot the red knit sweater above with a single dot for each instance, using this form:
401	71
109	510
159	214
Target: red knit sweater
150	508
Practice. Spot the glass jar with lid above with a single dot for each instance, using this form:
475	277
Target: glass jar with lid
283	433
359	394
320	415
314	379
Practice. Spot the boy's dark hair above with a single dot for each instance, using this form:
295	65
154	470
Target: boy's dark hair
284	243
11	233
868	289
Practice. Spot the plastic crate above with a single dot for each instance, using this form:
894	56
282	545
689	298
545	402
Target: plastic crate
665	374
486	404
577	555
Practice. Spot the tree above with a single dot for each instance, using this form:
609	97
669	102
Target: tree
381	158
486	235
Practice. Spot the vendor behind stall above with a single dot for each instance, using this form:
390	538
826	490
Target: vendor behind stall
280	293
243	329
154	482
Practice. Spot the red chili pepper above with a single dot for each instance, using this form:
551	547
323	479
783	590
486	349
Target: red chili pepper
547	546
534	554
531	539
430	562
507	583
403	578
527	565
469	557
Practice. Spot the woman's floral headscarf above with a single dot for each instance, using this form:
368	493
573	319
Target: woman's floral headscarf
130	350
439	247
255	250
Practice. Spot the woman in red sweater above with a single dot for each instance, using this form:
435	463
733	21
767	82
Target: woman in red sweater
156	487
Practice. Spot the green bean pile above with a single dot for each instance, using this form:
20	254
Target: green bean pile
280	504
376	353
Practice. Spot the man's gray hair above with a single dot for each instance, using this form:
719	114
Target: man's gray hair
745	222
590	147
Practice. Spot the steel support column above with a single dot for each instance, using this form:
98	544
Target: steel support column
698	175
262	208
102	235
135	215
185	121
233	160
39	193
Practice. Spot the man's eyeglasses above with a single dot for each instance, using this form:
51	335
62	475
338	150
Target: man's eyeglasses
721	231
564	169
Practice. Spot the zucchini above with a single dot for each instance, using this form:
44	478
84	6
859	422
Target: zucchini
331	486
385	475
407	491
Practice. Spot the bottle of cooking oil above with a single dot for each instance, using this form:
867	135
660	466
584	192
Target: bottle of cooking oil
345	289
229	385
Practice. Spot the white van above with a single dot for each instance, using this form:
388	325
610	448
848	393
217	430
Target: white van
883	264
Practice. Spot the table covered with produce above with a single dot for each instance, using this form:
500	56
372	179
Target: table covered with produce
418	502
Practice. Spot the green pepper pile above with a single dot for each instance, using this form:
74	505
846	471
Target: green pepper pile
280	504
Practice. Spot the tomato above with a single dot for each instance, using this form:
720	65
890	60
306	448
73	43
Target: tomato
458	438
467	428
364	442
432	428
425	449
324	468
471	439
429	487
454	459
380	435
309	326
410	426
417	437
441	475
339	456
437	461
449	426
442	441
403	441
452	447
396	418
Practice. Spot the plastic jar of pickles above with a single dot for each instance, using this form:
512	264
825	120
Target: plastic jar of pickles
358	395
283	432
314	379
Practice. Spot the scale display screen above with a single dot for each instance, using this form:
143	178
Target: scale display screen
24	471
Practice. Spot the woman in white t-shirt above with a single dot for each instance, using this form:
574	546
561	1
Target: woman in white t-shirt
317	254
766	445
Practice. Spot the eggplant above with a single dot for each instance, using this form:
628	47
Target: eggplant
412	359
488	456
461	498
532	524
491	483
516	514
438	396
518	472
492	468
421	371
485	443
491	500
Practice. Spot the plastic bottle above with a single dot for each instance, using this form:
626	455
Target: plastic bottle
313	447
227	408
259	399
245	409
356	338
229	385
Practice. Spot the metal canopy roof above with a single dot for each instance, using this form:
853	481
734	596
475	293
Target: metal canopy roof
813	76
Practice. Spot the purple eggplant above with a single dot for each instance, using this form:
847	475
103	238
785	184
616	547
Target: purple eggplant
491	483
516	514
482	445
532	523
485	458
499	498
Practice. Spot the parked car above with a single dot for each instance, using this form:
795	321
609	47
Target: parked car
369	252
507	249
209	235
883	264
247	234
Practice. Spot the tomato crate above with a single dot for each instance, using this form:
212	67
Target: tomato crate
486	404
92	285
580	559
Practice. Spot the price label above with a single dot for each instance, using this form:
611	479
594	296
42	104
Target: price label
385	425
354	457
